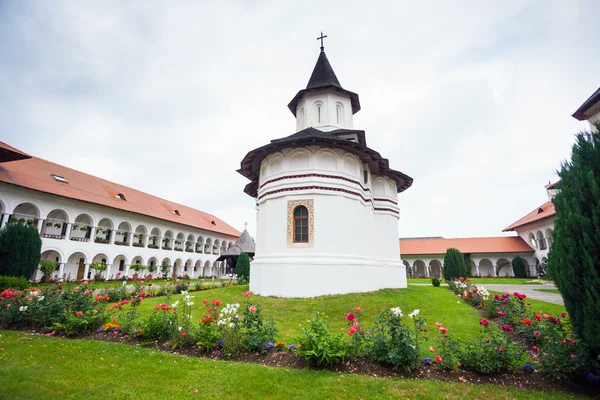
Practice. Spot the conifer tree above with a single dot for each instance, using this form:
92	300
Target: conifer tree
454	264
519	267
242	268
20	247
574	260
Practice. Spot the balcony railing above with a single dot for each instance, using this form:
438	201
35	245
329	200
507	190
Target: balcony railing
54	229
81	232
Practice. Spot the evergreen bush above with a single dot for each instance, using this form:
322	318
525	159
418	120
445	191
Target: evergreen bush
454	264
8	282
242	268
574	260
519	267
20	247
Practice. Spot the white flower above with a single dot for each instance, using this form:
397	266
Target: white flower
23	308
397	311
174	305
231	325
189	303
41	298
184	292
414	313
458	302
180	328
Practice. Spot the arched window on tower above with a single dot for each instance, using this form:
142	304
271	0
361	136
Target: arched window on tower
319	111
339	113
300	224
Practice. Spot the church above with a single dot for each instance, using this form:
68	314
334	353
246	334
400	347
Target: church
327	204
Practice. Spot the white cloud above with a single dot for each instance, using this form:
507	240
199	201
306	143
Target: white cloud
472	99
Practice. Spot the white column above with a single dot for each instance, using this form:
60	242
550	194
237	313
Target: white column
107	273
427	270
130	238
127	270
39	225
4	220
111	237
86	271
61	270
68	231
477	269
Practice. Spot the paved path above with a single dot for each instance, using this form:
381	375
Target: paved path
529	291
554	298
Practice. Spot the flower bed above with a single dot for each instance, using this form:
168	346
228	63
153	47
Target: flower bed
549	340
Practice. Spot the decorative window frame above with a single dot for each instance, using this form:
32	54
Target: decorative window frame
291	205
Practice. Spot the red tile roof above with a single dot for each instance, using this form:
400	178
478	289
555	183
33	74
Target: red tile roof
501	244
36	174
546	210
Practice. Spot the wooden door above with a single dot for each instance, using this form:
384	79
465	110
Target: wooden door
80	269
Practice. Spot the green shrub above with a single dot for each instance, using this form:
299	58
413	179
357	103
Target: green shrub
393	342
242	268
158	325
519	267
255	332
436	281
47	268
454	265
574	260
14	282
491	353
319	346
20	247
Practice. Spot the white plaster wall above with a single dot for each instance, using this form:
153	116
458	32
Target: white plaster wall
355	245
11	196
541	226
307	116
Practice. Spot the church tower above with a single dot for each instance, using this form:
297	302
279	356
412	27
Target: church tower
327	205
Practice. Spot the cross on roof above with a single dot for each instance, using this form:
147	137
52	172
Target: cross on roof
245	225
321	39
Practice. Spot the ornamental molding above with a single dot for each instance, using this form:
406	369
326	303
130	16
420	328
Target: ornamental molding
291	205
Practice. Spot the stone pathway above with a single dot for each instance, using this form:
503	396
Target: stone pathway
554	298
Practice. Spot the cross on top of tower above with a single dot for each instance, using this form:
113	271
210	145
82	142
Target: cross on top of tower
321	39
245	225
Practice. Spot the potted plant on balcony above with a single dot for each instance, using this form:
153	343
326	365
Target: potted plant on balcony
58	225
151	269
99	268
166	244
49	224
47	268
137	268
75	227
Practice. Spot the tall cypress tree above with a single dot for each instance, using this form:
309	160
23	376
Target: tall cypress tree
20	247
242	268
454	264
574	260
519	267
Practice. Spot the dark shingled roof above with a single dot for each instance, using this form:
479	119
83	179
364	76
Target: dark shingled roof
323	77
250	165
593	99
244	244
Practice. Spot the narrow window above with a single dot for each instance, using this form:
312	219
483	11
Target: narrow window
337	114
366	176
319	113
300	224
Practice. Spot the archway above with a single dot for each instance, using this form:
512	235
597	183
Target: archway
122	234
165	261
55	225
541	241
82	228
55	256
198	269
154	239
435	268
178	268
153	263
76	266
104	231
139	236
200	244
208	246
503	267
419	268
188	268
119	266
26	214
486	268
167	242
549	233
189	243
207	271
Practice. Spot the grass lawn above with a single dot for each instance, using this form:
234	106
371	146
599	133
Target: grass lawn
548	290
436	304
483	281
37	367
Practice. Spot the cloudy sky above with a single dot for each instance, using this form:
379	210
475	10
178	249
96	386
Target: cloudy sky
471	98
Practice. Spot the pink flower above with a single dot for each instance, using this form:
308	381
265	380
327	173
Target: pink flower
507	328
487	340
500	349
443	330
350	317
438	324
484	322
252	309
564	315
357	309
431	349
352	331
246	294
501	314
86	292
533	348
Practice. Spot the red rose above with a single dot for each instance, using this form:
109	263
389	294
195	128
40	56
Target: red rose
204	320
79	313
443	330
183	334
350	317
527	321
438	359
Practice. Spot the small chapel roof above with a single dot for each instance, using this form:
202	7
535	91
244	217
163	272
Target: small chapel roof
244	244
580	114
323	77
250	165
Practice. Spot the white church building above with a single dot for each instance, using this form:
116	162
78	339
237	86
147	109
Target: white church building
327	204
84	219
